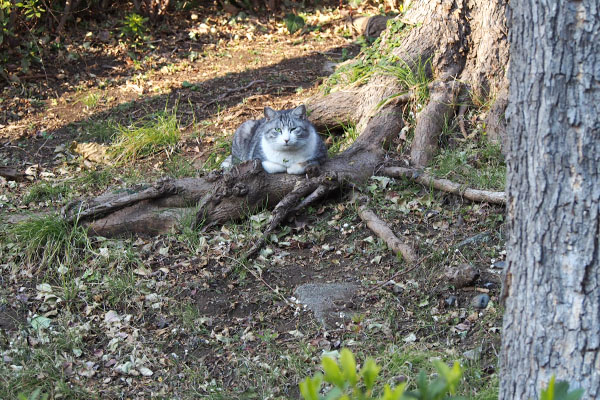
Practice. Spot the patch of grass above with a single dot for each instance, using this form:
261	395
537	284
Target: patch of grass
414	78
44	191
160	132
41	368
179	167
95	179
91	101
49	240
120	288
341	143
478	166
102	131
220	151
373	57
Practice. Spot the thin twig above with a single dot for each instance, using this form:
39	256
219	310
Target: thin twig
461	120
260	278
232	90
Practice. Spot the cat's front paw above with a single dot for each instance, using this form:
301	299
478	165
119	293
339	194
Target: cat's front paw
297	169
272	168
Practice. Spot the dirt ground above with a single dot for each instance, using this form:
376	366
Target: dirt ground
183	315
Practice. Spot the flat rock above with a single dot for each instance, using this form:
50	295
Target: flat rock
328	301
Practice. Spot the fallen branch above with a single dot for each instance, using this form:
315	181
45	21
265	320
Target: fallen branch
157	190
446	185
383	231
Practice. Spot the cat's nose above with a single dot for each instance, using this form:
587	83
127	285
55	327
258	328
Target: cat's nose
286	140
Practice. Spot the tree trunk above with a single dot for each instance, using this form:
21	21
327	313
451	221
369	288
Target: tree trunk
552	318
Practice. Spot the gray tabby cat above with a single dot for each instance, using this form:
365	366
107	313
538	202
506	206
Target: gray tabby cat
284	141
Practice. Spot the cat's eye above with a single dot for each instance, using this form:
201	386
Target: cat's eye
278	130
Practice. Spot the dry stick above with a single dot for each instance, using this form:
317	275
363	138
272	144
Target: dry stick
260	278
446	185
396	275
383	231
232	90
157	190
69	5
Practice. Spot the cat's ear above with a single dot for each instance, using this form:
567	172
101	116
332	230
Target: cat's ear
270	113
299	112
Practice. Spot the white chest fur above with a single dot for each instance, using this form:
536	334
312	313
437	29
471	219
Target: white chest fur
290	157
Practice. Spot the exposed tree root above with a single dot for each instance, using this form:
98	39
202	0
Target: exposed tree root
383	231
430	122
446	185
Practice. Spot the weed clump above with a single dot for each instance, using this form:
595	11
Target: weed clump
49	240
159	133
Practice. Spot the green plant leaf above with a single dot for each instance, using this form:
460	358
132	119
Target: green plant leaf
332	372
393	394
369	373
309	388
293	23
40	322
451	375
348	367
560	391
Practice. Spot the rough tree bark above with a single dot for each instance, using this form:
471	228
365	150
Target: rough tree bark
465	43
552	318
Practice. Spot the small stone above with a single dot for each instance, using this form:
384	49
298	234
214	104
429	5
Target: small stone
499	264
481	301
451	301
461	275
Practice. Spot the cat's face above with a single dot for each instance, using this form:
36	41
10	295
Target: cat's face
287	130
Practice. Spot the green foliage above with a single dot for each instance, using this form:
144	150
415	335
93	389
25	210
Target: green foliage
18	21
479	165
160	132
341	143
293	23
35	395
49	240
31	8
134	28
347	384
220	151
374	57
560	391
45	191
